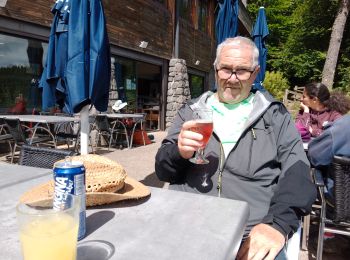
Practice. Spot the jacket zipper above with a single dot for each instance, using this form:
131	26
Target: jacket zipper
251	148
221	168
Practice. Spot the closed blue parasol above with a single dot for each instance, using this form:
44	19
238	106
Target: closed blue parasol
260	32
78	65
227	20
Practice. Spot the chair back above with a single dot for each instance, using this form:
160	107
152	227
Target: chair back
102	123
15	129
63	114
42	157
43	113
4	135
340	170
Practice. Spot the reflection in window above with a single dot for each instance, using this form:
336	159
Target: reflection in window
202	12
138	83
21	65
185	9
125	75
196	85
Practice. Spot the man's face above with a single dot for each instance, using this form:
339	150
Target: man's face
237	58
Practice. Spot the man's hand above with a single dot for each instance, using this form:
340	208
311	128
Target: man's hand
189	141
264	242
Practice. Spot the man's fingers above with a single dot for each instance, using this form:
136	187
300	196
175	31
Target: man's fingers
272	254
260	254
190	135
188	125
189	141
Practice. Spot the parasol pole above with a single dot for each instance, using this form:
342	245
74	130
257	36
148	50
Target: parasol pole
84	130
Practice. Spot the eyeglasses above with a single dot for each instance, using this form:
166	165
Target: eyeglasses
241	74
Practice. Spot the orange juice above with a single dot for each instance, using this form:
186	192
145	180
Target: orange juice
50	238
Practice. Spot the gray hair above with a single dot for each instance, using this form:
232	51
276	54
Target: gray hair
239	40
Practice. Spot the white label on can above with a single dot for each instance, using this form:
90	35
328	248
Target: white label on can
79	181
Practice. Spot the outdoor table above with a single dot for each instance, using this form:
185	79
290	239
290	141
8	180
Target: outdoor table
167	225
119	116
122	115
42	120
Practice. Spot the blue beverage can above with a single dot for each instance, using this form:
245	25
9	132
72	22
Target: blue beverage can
69	177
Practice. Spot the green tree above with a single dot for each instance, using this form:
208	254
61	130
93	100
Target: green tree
335	42
276	84
299	37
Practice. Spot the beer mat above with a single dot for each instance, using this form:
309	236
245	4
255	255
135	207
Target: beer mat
101	173
42	195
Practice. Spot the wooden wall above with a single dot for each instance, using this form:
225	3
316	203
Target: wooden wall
195	45
33	11
130	22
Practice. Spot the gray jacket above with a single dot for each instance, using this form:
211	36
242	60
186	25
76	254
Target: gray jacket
267	167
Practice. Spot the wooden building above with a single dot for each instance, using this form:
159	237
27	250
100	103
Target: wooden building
144	36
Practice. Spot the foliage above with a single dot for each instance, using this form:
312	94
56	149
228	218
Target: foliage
299	37
276	84
343	71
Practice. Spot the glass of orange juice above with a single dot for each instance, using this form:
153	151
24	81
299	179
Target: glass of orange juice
47	233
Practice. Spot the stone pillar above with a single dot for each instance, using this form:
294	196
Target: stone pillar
178	89
113	93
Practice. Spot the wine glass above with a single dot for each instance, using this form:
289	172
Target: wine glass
204	126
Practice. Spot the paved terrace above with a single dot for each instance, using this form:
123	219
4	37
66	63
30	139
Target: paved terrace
139	164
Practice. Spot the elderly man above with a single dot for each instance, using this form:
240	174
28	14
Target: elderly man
255	153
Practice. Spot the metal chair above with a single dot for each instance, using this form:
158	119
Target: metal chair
28	136
67	131
4	135
109	130
42	157
43	113
138	123
339	221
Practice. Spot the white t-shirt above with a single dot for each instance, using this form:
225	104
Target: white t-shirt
229	120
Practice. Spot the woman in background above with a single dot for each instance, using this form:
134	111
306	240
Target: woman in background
320	107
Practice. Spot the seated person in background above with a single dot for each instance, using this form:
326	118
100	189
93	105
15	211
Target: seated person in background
335	140
319	107
255	153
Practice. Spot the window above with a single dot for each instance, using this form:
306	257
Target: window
21	65
202	12
196	85
137	83
125	75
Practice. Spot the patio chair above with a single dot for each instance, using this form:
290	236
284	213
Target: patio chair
43	113
138	125
338	222
110	131
42	157
28	136
68	132
4	135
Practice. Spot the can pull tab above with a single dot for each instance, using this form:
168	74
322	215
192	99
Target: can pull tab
67	160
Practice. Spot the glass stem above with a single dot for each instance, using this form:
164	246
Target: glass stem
200	153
